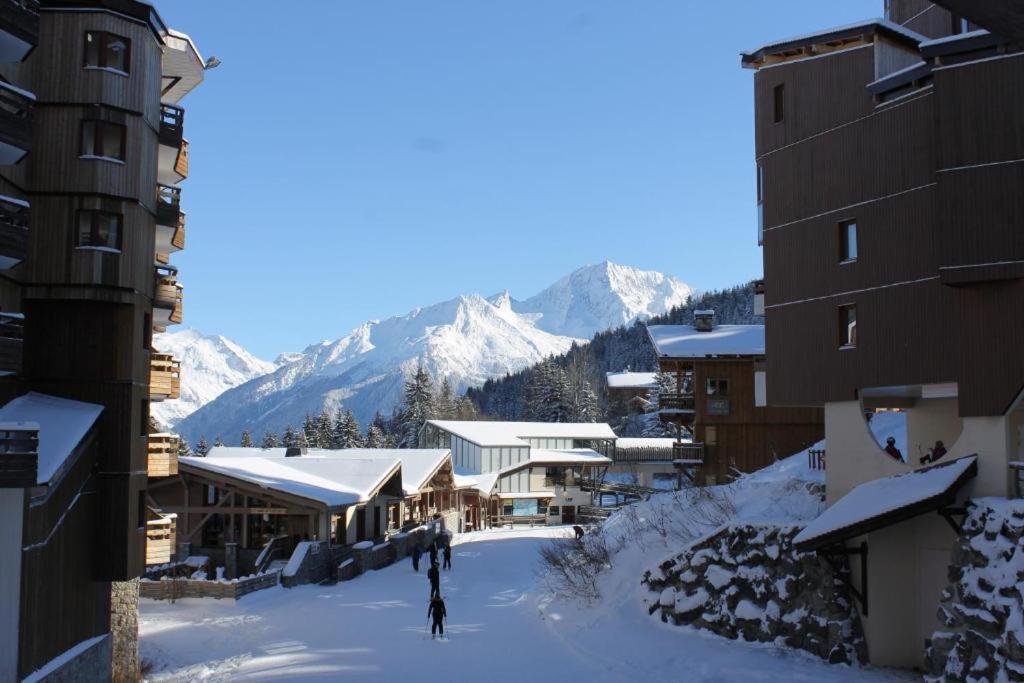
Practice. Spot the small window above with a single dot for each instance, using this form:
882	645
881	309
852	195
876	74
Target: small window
554	511
103	139
779	101
710	435
107	51
717	386
847	241
99	229
848	326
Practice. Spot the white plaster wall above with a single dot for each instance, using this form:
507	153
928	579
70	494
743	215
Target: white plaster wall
930	420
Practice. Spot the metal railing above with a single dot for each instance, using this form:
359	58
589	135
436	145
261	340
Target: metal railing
15	117
690	453
172	125
168	205
20	18
12	341
14	217
816	459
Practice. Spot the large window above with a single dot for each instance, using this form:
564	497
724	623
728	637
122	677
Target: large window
98	229
779	103
847	326
107	51
102	139
847	241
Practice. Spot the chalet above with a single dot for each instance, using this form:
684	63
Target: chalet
719	398
92	149
889	172
630	392
528	471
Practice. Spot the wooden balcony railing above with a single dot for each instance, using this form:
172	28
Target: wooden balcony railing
19	454
15	120
168	205
168	298
20	20
13	230
688	453
160	537
675	402
12	341
163	455
178	239
164	377
181	162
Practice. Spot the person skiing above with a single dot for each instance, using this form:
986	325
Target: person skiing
435	580
447	556
890	448
433	552
417	553
438	611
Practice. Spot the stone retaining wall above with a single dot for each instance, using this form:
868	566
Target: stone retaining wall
983	607
124	629
747	581
175	589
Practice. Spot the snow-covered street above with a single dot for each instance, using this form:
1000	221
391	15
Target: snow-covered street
503	626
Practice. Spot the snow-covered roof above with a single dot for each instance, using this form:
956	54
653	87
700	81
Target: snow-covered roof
890	28
331	481
632	380
647	442
484	483
685	341
62	424
956	37
418	464
514	433
543	457
883	502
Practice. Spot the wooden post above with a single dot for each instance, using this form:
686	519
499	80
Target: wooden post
245	522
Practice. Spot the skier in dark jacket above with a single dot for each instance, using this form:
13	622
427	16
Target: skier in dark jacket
435	580
935	453
890	448
417	553
438	611
447	556
433	552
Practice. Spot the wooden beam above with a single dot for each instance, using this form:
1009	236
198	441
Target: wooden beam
204	520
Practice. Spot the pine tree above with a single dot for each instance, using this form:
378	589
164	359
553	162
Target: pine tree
444	403
246	439
417	407
324	430
585	408
184	448
348	432
202	448
218	443
375	437
464	409
309	431
289	438
270	440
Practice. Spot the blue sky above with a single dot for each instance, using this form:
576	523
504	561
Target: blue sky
354	160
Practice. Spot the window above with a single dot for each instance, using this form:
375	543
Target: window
542	506
847	326
506	510
100	229
107	51
779	102
847	241
103	139
717	386
554	511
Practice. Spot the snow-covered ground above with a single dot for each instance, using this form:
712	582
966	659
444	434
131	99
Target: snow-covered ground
505	624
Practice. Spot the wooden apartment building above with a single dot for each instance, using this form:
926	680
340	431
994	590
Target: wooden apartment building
91	152
719	398
890	162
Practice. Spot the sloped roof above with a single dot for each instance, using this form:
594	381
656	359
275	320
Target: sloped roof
62	425
632	380
685	341
489	434
331	481
884	26
883	502
543	457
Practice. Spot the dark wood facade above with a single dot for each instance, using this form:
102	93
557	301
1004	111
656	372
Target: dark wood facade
931	176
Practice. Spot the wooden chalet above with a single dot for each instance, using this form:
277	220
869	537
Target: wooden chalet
719	398
630	392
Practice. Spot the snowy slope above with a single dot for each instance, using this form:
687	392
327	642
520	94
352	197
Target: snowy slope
603	296
210	365
468	339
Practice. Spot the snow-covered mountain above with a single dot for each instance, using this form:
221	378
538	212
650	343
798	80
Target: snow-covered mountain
467	339
210	365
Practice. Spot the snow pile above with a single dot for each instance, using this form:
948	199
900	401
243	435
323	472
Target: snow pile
747	581
983	608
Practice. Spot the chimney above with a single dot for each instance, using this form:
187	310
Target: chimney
294	451
704	320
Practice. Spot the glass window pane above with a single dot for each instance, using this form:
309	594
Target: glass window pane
92	49
111	140
851	240
116	51
84	237
106	230
88	137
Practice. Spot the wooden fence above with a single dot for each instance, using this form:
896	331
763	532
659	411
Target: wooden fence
816	459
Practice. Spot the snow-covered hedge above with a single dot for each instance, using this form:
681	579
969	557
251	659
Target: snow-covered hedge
983	608
746	581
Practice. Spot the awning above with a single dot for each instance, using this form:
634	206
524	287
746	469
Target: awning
883	502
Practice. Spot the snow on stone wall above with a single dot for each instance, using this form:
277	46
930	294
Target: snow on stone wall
983	607
746	581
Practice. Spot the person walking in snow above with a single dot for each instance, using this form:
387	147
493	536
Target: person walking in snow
433	552
417	553
438	611
435	580
890	448
447	556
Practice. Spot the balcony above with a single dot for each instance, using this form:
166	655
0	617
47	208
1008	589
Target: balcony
15	122
170	238
163	455
675	403
164	377
181	66
173	161
688	453
13	231
168	298
12	341
19	29
19	454
160	537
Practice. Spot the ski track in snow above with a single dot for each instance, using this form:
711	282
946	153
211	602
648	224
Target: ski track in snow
504	626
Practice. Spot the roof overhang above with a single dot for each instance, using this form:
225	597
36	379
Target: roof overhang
829	40
187	466
181	67
884	502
